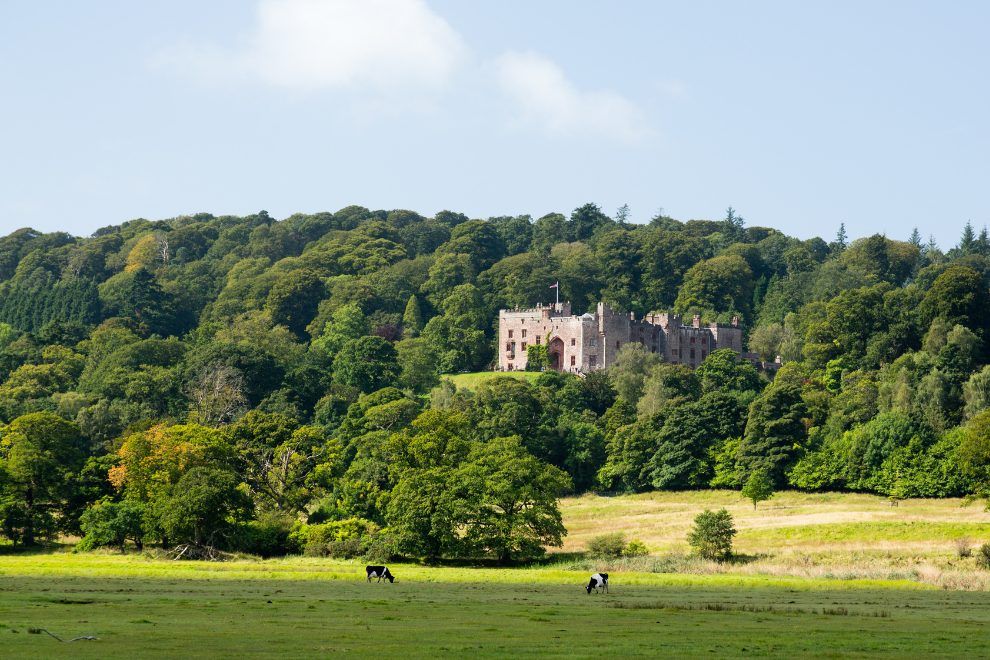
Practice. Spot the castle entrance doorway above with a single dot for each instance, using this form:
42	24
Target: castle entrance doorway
555	350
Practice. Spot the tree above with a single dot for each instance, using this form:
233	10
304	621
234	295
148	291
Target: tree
967	242
976	392
733	225
767	340
511	511
841	239
958	295
774	431
690	433
424	511
216	396
632	365
294	299
711	536
723	284
138	295
348	322
915	238
974	453
455	336
417	364
537	358
724	371
759	487
585	220
204	507
110	523
622	214
366	364
412	318
39	456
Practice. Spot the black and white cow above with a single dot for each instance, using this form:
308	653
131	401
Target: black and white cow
379	572
598	581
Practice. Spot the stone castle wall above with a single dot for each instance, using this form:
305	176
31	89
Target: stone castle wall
592	341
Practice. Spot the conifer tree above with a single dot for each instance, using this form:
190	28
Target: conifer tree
841	239
412	318
968	241
915	238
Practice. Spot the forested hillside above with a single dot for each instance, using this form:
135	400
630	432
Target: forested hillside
274	386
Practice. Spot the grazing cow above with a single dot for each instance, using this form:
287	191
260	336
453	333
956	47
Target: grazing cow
379	572
598	581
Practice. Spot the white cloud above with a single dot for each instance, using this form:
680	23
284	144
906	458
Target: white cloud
319	44
548	100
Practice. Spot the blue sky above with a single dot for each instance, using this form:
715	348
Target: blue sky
800	115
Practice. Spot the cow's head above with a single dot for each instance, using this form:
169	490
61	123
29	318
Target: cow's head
389	576
588	588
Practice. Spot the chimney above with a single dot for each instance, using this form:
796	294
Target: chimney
696	321
735	321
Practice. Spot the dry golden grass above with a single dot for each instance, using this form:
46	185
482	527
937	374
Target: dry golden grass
797	534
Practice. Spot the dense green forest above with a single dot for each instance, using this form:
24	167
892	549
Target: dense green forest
276	386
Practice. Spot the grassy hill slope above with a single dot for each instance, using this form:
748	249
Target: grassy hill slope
826	534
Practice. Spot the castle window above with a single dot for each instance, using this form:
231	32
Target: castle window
508	347
510	366
704	354
593	342
537	340
592	360
572	360
692	340
524	333
524	346
510	334
692	355
573	341
704	340
616	345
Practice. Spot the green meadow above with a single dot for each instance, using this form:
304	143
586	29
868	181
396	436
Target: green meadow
144	607
838	575
471	381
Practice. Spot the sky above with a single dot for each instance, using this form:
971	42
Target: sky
800	115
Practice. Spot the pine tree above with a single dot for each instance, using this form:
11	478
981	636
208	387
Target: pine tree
968	241
841	239
915	239
733	224
983	242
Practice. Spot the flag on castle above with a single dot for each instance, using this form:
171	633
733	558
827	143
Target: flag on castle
556	285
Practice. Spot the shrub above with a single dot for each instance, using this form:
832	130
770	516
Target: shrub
269	536
983	556
964	548
635	548
343	539
607	546
711	536
112	524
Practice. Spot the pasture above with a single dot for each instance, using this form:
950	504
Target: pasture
307	607
840	535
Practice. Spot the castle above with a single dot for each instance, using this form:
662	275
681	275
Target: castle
592	341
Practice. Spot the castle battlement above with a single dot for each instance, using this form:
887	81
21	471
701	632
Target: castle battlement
591	341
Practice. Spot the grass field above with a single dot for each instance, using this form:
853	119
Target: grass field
471	381
800	534
834	575
306	607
